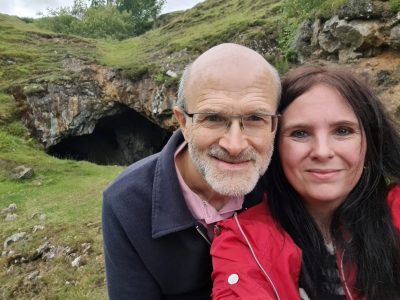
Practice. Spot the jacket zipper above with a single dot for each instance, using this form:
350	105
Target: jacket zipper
347	290
255	257
203	235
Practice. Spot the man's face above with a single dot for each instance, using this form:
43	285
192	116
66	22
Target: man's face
231	160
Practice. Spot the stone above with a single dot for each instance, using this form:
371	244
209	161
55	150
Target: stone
78	262
31	276
302	41
347	55
10	209
37	227
364	10
395	37
86	248
21	172
327	38
10	217
172	74
52	251
354	36
14	238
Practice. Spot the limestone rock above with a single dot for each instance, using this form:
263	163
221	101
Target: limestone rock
78	262
21	172
13	238
172	74
360	29
395	37
364	10
10	217
10	209
37	228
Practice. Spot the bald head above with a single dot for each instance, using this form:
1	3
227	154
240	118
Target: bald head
224	64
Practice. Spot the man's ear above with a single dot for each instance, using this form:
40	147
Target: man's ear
181	118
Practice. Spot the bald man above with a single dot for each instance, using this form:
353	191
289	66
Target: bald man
160	214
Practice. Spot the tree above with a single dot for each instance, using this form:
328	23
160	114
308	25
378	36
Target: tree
143	12
116	19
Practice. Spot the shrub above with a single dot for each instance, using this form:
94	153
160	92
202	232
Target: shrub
395	5
104	22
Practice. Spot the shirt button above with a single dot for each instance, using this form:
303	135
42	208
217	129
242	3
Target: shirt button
233	278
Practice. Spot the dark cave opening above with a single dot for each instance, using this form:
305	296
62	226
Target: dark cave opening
120	139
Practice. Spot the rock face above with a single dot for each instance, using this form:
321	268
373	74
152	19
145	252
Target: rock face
94	109
361	28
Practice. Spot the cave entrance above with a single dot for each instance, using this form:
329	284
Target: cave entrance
120	139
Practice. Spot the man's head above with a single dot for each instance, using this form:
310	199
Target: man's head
226	109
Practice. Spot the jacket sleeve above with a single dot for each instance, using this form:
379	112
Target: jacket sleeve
127	276
235	273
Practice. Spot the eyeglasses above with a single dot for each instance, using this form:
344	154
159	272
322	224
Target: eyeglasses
252	124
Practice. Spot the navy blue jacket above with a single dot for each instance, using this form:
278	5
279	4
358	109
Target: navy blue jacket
151	246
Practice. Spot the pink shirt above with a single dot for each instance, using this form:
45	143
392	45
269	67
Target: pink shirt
201	210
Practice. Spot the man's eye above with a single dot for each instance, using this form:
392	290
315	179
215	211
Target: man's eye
255	118
299	134
214	119
343	131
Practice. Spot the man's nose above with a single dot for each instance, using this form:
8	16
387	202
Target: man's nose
234	140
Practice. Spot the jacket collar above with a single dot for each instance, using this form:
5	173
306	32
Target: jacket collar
169	211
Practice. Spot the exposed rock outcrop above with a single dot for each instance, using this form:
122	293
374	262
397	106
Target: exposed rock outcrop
72	106
360	29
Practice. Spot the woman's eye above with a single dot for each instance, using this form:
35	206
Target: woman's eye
343	131
299	134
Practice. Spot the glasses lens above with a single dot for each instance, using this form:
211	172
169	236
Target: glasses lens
211	121
252	125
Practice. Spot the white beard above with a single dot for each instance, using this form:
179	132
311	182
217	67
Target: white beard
229	183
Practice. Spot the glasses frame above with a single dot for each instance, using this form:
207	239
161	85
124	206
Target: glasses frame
274	118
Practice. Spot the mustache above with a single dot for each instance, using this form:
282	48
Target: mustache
221	154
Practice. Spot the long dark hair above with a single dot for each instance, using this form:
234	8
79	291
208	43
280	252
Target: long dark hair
361	226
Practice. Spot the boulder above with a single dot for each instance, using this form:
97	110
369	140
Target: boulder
394	39
21	172
364	10
14	238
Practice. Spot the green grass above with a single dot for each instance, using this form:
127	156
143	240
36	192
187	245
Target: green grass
69	194
28	53
193	31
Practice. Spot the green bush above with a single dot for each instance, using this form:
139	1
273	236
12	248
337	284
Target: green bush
395	5
62	23
104	22
118	19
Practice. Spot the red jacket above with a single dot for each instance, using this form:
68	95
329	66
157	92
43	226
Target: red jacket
274	269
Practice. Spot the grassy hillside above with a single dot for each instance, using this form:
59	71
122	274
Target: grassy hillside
64	196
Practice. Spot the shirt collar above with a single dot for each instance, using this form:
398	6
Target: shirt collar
201	210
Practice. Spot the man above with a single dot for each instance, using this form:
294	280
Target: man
159	215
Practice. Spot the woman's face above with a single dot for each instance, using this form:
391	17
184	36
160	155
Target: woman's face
322	148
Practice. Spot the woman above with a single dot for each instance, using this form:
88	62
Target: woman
329	228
